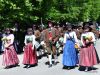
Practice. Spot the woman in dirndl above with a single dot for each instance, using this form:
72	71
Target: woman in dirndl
70	57
30	57
9	56
88	55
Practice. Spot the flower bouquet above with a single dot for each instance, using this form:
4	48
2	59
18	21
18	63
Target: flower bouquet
87	39
4	39
76	46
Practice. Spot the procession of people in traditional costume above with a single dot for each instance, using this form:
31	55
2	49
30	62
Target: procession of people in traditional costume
77	43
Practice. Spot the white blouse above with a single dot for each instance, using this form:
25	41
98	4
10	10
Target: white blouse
10	38
32	37
90	34
70	35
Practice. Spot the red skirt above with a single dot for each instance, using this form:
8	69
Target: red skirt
88	56
30	56
10	56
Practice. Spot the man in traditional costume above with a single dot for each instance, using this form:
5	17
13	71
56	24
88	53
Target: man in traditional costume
50	37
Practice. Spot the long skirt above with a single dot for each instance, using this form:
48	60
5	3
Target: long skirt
88	56
10	57
30	56
70	56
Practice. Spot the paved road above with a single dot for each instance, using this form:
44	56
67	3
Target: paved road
43	69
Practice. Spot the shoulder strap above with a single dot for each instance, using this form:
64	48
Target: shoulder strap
70	37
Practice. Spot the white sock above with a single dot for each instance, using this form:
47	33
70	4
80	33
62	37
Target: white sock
55	58
37	53
50	59
40	53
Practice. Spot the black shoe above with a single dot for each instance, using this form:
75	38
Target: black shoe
65	67
25	66
29	66
82	68
8	67
89	69
39	57
94	68
50	66
61	52
47	63
32	65
16	65
72	67
58	54
68	68
55	63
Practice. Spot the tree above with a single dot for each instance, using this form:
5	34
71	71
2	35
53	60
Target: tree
27	12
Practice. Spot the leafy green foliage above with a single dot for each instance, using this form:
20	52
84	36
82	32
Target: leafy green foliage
31	11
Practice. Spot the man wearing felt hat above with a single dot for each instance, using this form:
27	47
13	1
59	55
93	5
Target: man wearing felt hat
50	38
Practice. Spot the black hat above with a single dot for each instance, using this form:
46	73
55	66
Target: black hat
49	22
85	24
69	25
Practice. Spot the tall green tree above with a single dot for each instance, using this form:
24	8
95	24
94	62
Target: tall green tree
27	12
